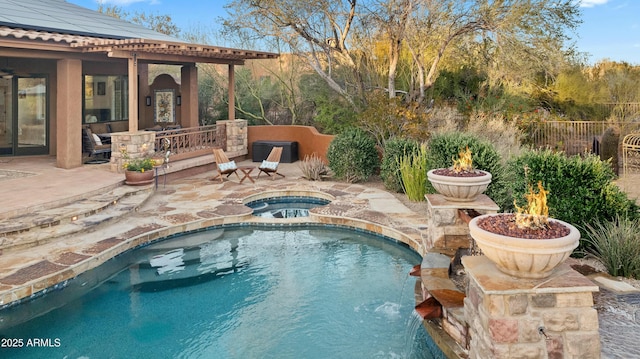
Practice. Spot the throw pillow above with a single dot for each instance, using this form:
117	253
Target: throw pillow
227	166
269	165
97	139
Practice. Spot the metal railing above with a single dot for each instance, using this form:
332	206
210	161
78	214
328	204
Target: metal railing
188	142
621	110
574	137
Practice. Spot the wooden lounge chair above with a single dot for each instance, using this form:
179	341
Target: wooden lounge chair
90	146
224	165
270	165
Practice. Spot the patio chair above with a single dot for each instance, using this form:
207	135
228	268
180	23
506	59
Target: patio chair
224	165
91	146
270	165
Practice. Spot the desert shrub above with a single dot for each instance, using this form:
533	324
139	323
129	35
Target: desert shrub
413	170
313	168
580	188
445	119
353	156
493	127
616	244
386	118
394	149
443	148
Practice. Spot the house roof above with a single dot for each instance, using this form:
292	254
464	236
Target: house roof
62	17
89	31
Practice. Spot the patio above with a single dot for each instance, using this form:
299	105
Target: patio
96	217
72	220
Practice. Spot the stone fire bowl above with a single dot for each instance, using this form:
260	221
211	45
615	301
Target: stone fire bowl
524	258
459	189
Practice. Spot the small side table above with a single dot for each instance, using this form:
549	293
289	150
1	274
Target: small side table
246	170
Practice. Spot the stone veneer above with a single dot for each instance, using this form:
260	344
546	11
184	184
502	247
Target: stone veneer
510	317
236	133
447	231
497	315
137	145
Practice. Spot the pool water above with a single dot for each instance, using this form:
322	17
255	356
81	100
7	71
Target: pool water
241	292
286	206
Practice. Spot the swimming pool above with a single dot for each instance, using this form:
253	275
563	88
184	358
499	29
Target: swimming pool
235	292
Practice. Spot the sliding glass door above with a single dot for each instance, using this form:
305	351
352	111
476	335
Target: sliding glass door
6	115
24	118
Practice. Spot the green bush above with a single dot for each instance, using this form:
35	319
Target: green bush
580	189
394	149
413	169
353	156
444	147
616	244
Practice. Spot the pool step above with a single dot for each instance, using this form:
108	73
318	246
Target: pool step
87	214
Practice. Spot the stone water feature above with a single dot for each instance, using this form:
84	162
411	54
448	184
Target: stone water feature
494	315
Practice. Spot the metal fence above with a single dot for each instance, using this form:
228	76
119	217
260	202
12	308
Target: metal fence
575	137
189	142
626	110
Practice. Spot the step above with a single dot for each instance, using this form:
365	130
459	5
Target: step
85	214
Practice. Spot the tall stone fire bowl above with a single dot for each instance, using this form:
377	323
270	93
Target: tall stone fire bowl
459	188
524	258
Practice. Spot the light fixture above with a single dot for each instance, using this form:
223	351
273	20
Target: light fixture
148	100
178	100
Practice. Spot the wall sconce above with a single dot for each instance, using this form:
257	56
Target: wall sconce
178	100
148	100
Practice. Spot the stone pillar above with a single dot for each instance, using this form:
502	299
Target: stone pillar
221	135
237	140
136	144
447	231
512	317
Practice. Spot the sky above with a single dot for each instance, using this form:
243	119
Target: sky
610	28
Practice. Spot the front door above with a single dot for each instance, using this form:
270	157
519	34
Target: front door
24	116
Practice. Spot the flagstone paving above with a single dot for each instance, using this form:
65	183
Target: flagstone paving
43	256
55	224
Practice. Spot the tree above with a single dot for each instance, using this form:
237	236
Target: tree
527	36
520	36
316	31
155	22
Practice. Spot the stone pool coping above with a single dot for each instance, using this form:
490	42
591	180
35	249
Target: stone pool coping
194	204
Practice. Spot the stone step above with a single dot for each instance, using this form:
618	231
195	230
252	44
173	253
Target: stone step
86	215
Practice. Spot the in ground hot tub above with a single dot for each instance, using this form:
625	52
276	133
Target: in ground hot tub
285	206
